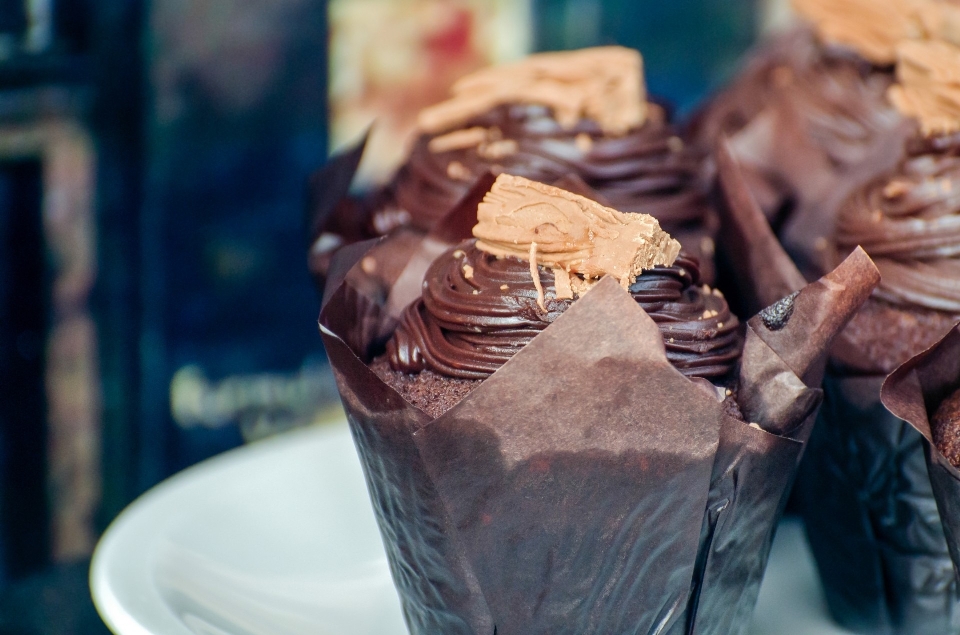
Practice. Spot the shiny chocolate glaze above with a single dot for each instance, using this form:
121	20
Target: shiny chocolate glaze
478	311
648	170
909	223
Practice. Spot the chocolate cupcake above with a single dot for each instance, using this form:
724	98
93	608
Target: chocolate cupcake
873	523
909	222
583	113
809	119
562	430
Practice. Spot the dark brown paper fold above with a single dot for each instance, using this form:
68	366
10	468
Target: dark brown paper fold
751	479
605	445
756	465
329	187
764	271
571	496
438	592
912	392
871	517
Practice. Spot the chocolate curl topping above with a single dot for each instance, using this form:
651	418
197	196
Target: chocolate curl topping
477	311
909	221
772	274
526	219
929	81
604	84
871	27
574	183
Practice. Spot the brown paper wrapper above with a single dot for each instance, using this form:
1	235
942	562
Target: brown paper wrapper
863	488
587	486
762	272
913	392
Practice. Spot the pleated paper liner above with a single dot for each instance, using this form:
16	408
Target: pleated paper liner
913	393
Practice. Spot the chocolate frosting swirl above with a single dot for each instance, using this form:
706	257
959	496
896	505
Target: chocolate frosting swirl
477	311
810	124
647	170
837	101
909	223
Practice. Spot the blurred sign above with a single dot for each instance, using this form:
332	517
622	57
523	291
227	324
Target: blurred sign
391	58
263	404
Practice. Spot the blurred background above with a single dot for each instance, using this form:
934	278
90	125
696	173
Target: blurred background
155	307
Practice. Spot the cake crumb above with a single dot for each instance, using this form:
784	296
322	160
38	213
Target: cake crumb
504	287
458	140
457	171
895	189
369	265
535	274
432	393
498	149
459	253
708	247
584	142
467	272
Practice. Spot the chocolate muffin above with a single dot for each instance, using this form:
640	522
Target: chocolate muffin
868	503
946	428
582	113
480	306
637	498
909	223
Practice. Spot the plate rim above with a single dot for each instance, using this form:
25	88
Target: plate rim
118	616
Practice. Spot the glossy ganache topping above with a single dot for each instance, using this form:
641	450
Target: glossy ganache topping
477	311
581	112
909	223
482	302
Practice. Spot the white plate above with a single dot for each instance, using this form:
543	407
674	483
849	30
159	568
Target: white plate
278	538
